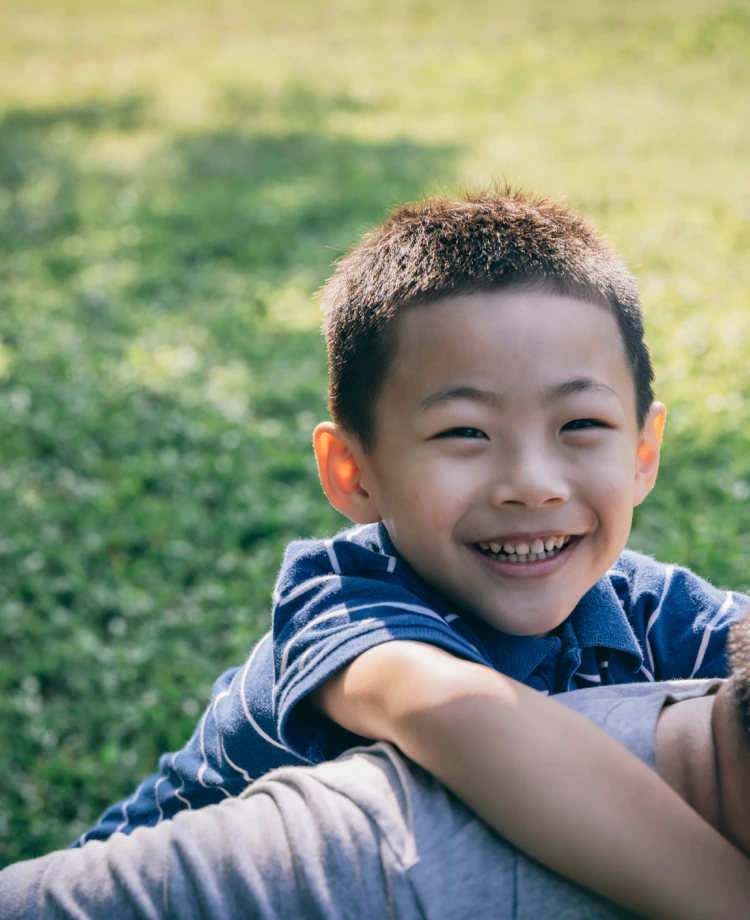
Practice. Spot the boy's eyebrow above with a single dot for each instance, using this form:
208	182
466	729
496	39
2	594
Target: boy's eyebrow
460	391
495	401
576	385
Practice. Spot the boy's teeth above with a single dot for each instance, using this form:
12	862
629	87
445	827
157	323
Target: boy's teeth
526	552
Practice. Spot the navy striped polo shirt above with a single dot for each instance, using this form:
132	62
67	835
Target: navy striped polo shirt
336	598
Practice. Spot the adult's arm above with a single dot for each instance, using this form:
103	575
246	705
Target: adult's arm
288	848
369	829
545	778
369	833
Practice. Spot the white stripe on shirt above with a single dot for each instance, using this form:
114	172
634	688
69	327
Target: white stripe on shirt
156	798
592	678
399	605
204	765
301	588
332	556
245	707
125	804
220	696
246	776
335	612
356	531
343	609
707	632
182	786
655	615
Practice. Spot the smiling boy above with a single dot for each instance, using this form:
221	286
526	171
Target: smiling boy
493	428
508	454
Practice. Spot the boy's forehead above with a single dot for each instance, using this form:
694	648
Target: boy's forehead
526	328
509	343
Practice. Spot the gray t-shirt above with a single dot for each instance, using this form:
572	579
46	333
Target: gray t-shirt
367	835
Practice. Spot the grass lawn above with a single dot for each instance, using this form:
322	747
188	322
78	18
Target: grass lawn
175	180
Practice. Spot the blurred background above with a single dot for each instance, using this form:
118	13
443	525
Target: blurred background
175	180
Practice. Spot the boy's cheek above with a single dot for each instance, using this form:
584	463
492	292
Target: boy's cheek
608	484
429	497
427	527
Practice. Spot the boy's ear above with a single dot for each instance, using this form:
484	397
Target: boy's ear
647	454
340	474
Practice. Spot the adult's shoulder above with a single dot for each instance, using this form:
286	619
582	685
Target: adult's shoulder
455	865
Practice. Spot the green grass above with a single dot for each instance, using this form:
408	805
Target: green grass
175	180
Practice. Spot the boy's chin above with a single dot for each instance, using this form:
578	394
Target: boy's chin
524	623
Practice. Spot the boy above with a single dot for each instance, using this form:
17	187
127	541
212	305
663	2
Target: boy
493	428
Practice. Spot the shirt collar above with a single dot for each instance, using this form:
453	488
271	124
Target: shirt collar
598	621
516	656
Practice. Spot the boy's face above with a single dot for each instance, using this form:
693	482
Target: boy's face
509	418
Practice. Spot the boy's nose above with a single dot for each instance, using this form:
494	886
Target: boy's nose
532	482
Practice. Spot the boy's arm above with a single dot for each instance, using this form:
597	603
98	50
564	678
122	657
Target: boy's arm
549	781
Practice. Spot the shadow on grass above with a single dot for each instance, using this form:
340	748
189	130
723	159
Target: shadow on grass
272	203
143	522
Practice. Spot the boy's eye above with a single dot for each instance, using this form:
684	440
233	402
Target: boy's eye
462	433
581	424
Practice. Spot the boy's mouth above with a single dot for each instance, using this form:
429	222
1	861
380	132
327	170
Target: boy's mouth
523	552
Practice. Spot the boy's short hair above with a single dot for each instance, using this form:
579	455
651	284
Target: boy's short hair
441	247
